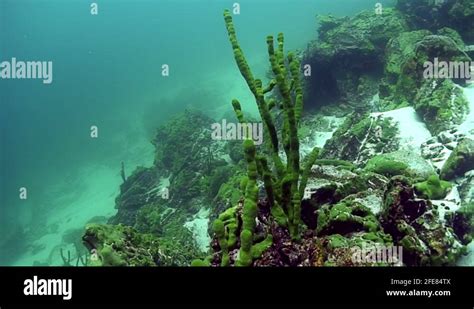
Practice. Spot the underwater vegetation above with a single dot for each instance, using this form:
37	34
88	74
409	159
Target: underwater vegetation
395	168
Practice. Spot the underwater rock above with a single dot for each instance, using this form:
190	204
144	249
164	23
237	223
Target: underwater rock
437	149
411	130
120	245
460	161
135	192
361	137
416	225
405	82
315	130
398	50
198	225
348	57
415	163
466	187
330	183
193	170
152	218
356	249
347	216
195	162
433	188
399	202
428	14
441	105
386	166
462	222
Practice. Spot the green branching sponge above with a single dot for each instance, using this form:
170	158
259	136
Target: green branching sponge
200	263
283	179
251	190
310	161
250	209
226	229
245	252
219	229
259	248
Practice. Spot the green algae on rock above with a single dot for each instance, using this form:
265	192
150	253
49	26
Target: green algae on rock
120	245
361	137
433	188
382	165
460	160
416	225
432	15
347	58
462	222
345	217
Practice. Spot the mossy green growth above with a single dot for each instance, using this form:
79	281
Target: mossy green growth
405	82
440	105
229	219
200	263
219	229
259	248
111	257
361	131
459	161
250	209
360	239
120	245
345	217
230	191
462	222
384	166
433	188
218	177
245	252
340	250
334	162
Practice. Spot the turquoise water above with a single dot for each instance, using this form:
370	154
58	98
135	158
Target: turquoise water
107	73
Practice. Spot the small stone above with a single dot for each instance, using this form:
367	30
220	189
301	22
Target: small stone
451	145
445	137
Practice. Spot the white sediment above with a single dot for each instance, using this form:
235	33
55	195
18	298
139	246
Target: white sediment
467	126
97	186
74	200
412	130
198	226
319	138
450	203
